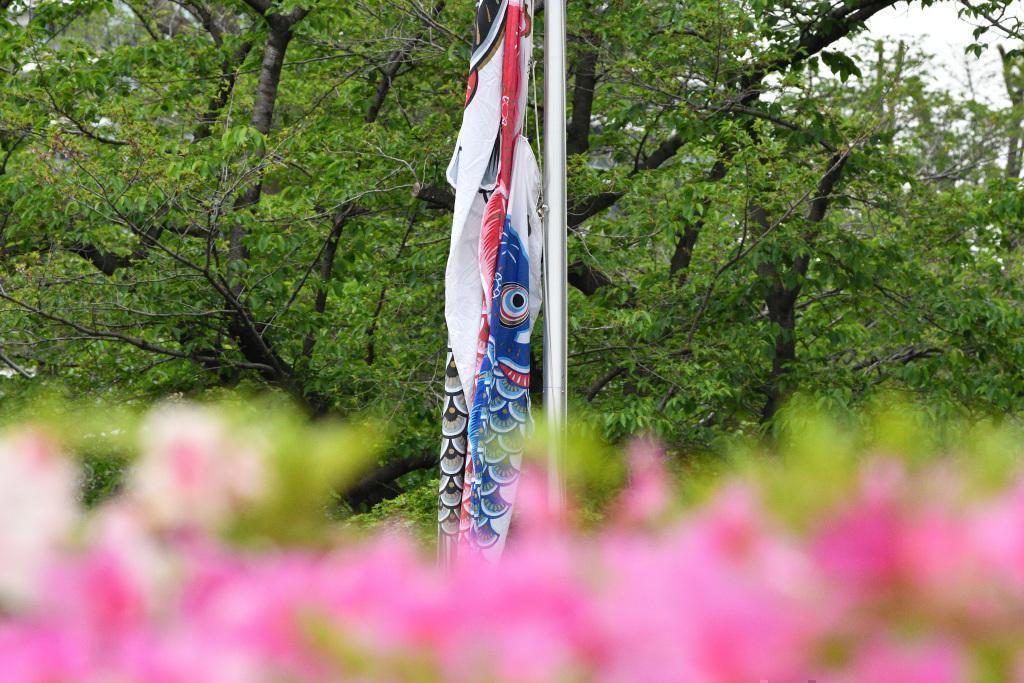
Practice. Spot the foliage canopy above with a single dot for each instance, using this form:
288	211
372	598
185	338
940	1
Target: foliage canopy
199	195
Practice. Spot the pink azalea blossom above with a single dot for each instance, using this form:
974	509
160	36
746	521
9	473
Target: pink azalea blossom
192	473
889	662
902	581
38	510
648	493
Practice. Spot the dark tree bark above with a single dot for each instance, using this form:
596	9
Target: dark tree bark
279	36
1013	77
679	267
437	197
248	332
224	89
380	484
586	278
326	268
105	262
781	299
371	330
585	82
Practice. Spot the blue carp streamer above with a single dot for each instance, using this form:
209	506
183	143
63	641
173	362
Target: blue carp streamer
501	403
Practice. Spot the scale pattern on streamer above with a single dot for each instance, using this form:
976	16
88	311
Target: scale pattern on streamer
454	421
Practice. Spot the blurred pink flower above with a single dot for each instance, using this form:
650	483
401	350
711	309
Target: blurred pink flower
537	514
647	493
38	510
996	535
698	605
32	653
859	547
903	582
192	473
888	662
122	578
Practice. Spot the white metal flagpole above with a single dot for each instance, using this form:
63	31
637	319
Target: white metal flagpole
555	314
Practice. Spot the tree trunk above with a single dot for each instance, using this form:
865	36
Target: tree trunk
781	300
1013	77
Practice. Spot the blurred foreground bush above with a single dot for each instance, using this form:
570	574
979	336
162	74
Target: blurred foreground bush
867	559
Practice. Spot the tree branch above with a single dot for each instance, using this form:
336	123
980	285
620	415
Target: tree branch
327	258
833	26
227	85
380	485
434	195
586	278
391	66
604	381
137	342
260	6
